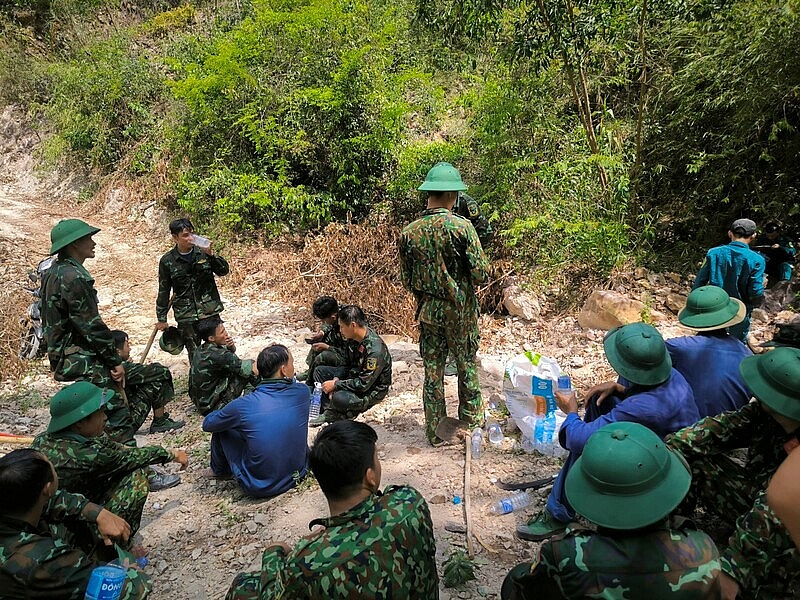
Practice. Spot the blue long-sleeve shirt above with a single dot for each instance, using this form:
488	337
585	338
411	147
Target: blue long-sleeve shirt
264	436
710	363
736	269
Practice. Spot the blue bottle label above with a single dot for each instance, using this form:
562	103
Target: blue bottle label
106	583
507	505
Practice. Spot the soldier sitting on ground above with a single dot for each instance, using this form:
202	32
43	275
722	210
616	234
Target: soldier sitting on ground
627	483
87	462
779	251
146	387
328	345
365	380
217	375
374	545
40	556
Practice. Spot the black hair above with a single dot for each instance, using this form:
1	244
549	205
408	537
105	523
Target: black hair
208	327
272	358
340	457
179	225
23	474
352	314
119	337
772	227
325	306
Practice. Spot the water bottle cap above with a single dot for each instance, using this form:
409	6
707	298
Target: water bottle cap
564	382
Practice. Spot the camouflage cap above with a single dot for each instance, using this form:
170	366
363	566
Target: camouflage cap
710	307
774	378
626	477
637	352
171	341
74	402
443	177
67	231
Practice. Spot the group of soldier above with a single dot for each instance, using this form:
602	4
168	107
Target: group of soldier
651	445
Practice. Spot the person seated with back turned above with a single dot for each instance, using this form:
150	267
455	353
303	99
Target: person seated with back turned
146	387
364	381
261	437
328	346
709	311
374	545
40	557
627	483
87	462
760	560
653	394
217	375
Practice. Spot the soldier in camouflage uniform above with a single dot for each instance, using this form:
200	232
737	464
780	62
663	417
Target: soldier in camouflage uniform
79	344
89	463
146	387
626	482
217	375
188	271
760	560
328	346
364	381
38	556
441	262
374	545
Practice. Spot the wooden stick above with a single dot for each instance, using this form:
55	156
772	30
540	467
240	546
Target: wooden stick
467	467
10	438
153	335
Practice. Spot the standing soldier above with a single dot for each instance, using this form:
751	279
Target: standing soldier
441	263
79	344
188	270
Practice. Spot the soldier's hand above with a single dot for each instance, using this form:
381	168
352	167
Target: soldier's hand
118	375
319	347
329	386
179	456
317	337
728	586
112	528
162	326
603	391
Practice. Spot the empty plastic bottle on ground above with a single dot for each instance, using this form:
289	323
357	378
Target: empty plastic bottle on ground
494	432
316	402
514	502
476	442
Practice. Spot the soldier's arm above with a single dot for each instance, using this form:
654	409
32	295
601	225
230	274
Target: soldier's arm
365	377
224	361
85	317
114	459
164	288
65	506
478	261
60	571
755	284
219	265
273	568
717	434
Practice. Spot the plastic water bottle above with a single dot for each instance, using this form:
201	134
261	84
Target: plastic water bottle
527	444
316	402
514	502
200	241
476	443
495	433
564	384
105	583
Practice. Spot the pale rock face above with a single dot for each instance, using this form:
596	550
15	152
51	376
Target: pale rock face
605	309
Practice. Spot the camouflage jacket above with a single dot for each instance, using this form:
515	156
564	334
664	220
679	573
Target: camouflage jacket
210	373
93	466
382	548
441	262
191	278
369	367
332	336
70	317
35	563
467	207
656	563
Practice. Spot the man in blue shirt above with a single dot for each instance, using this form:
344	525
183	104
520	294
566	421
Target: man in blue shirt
710	360
738	270
649	392
261	438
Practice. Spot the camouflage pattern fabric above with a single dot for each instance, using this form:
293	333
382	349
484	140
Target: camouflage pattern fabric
191	337
380	549
146	387
335	356
467	207
191	279
79	344
41	563
217	376
441	262
654	563
760	554
369	368
103	470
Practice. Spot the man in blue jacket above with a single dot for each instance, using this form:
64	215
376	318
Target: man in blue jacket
649	391
261	438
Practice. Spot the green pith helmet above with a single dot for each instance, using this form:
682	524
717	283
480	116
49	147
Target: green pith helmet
443	177
67	231
637	352
74	402
627	478
774	378
710	307
171	341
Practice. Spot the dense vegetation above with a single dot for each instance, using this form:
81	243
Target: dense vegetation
590	130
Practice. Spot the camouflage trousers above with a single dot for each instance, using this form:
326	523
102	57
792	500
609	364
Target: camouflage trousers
343	404
191	338
461	341
245	586
81	366
147	387
127	498
332	357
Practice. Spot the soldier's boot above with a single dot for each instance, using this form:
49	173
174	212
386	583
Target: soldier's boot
321	419
162	481
543	526
164	423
